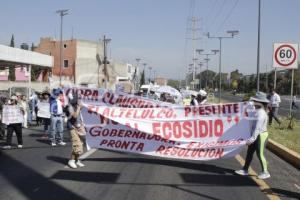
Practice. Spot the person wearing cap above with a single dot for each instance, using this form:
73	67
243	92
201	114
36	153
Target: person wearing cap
201	97
259	135
14	127
45	120
57	126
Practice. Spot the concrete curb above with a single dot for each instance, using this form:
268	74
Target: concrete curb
286	154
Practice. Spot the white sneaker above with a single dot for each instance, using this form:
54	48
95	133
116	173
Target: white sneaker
79	163
62	143
20	146
72	164
264	175
53	144
6	147
241	172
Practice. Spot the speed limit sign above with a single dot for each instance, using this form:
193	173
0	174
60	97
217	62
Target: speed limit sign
285	56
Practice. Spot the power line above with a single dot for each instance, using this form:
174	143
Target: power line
217	15
228	16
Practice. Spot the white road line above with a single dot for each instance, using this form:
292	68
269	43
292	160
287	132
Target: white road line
297	186
87	154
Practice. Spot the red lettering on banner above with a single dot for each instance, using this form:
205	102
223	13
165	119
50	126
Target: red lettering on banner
126	145
189	153
177	130
232	108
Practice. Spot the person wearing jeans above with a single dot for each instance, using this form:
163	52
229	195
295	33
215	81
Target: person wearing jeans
56	127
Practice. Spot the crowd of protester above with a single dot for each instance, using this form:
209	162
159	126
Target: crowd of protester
61	109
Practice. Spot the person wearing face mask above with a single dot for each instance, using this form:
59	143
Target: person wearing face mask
259	135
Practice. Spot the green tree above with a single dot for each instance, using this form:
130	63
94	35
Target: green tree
173	83
11	75
142	80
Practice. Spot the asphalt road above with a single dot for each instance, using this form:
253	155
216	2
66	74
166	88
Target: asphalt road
284	108
39	171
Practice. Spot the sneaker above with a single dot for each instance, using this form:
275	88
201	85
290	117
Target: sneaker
72	164
79	163
20	146
6	147
53	144
241	172
264	175
62	143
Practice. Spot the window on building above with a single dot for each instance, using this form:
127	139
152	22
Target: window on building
66	63
65	46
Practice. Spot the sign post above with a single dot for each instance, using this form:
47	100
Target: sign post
285	56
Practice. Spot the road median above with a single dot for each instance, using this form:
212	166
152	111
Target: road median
285	153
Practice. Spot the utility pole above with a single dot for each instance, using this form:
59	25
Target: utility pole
105	61
233	33
267	79
61	13
258	49
194	38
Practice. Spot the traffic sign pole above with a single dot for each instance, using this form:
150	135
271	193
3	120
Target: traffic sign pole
292	90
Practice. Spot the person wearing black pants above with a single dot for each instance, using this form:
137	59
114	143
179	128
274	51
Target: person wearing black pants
14	127
17	128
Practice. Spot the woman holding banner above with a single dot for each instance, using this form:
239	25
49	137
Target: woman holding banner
75	127
257	141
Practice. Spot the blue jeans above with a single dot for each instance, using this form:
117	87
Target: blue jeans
56	129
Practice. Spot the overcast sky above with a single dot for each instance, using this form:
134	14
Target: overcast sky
156	30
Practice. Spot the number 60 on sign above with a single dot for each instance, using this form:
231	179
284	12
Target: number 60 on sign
285	56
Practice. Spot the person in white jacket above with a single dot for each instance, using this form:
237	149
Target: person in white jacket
259	135
274	106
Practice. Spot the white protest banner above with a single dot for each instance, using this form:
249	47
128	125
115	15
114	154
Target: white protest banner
106	97
43	110
197	133
12	114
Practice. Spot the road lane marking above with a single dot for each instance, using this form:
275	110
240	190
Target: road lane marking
263	186
87	154
297	186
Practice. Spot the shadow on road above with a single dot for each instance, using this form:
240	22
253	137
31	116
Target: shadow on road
96	177
30	183
282	193
217	180
57	159
172	163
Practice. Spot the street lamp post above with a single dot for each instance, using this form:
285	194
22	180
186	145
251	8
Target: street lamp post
258	49
200	77
61	13
150	68
233	33
105	42
214	52
136	75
